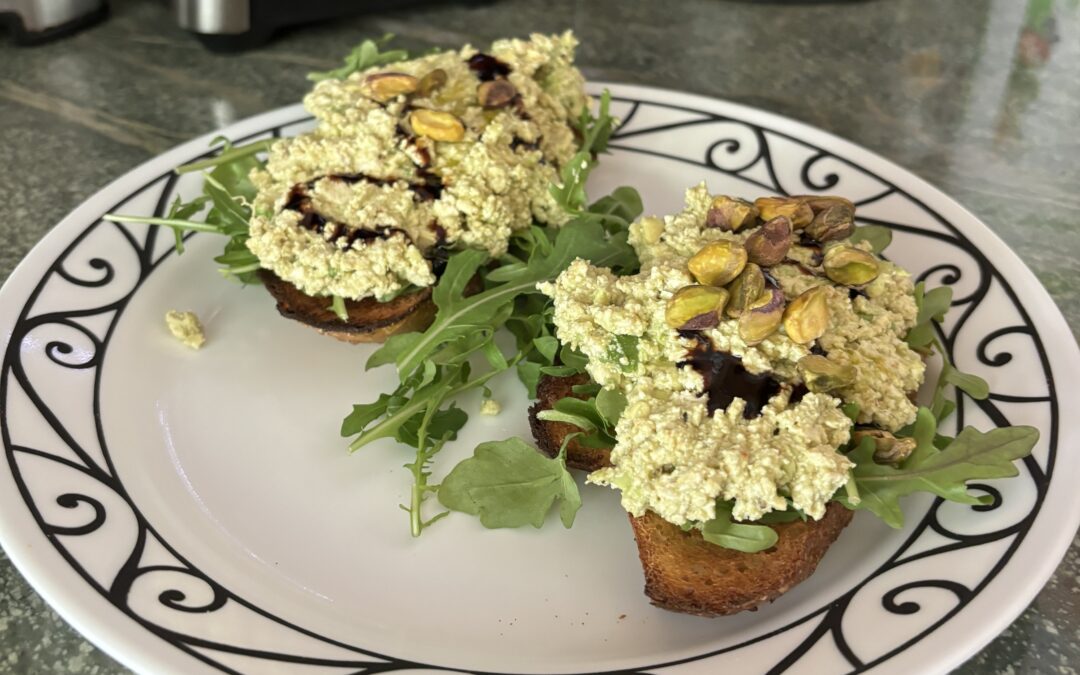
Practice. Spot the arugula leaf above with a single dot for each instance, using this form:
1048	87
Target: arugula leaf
364	414
745	537
458	315
973	385
624	351
569	192
184	211
620	207
509	484
878	236
942	471
933	306
610	403
363	56
596	415
228	189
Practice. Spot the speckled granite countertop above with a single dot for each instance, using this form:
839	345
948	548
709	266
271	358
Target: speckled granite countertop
980	97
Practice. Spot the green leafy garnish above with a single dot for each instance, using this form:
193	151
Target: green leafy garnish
623	350
184	211
337	306
509	484
940	470
878	236
596	415
933	305
434	366
851	410
363	56
745	537
229	157
228	190
569	192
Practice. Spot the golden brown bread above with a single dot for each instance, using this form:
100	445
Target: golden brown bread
369	319
683	572
549	435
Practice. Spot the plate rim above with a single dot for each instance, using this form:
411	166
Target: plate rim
71	608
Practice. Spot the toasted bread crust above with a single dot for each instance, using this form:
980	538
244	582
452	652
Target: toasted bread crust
683	572
549	435
369	319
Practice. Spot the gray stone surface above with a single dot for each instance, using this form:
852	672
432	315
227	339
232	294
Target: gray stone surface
980	97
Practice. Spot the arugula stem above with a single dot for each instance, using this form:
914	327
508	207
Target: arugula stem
228	156
243	269
168	222
416	523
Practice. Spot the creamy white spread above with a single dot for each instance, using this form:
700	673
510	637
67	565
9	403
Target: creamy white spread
674	458
361	167
186	328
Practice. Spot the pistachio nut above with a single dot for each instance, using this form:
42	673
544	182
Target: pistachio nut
888	449
763	318
796	210
835	222
819	203
695	307
436	125
728	213
718	263
746	291
652	228
807	316
769	244
850	266
496	93
432	82
387	86
822	375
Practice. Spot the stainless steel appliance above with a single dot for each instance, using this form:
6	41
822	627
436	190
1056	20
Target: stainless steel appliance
33	21
227	25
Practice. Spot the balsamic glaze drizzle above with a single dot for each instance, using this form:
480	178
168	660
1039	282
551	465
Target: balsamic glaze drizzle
726	379
487	67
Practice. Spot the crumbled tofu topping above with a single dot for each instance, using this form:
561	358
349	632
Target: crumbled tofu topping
186	328
674	458
364	171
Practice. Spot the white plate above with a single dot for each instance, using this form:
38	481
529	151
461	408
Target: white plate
197	511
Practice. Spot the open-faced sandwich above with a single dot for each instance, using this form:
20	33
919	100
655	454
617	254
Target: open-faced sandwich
745	373
754	375
349	225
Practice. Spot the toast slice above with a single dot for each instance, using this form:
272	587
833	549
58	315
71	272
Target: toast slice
549	435
369	319
683	572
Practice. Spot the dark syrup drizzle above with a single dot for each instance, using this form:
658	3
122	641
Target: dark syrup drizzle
726	379
299	200
487	67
